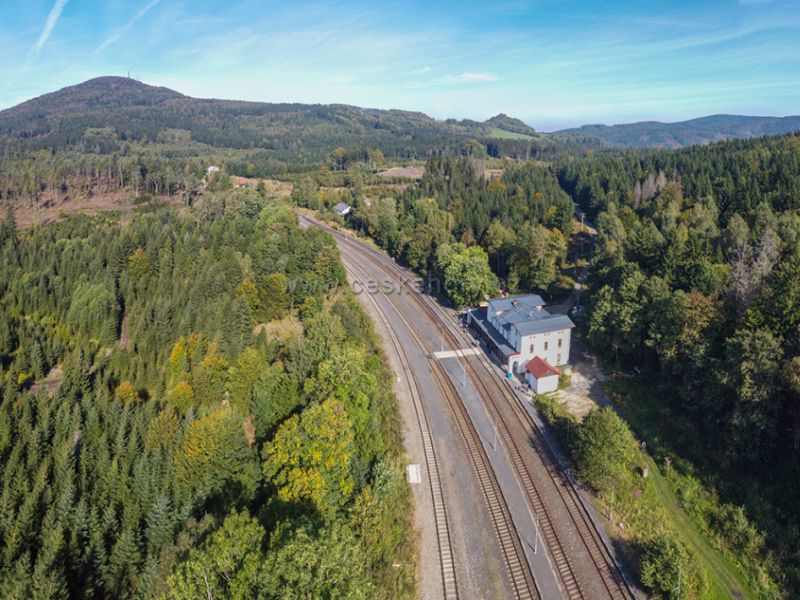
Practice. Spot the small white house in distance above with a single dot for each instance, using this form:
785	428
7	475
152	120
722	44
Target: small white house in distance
342	209
541	376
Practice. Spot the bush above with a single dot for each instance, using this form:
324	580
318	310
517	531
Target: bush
557	416
669	571
605	450
737	532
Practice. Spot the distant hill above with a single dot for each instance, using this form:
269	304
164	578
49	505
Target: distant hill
99	93
510	124
138	112
714	128
103	114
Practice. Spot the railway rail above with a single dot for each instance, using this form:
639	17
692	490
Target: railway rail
445	548
520	578
506	412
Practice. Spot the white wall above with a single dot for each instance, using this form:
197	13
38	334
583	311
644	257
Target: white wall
545	385
554	355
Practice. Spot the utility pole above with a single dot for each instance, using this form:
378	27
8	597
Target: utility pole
535	521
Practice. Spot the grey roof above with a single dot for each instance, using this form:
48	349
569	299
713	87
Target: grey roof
527	315
548	323
479	318
341	207
530	301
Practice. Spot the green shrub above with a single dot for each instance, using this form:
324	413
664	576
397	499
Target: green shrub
736	531
669	570
605	450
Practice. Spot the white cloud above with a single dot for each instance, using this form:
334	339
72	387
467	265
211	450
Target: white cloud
127	27
469	77
52	18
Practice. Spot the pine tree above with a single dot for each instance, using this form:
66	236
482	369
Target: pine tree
159	526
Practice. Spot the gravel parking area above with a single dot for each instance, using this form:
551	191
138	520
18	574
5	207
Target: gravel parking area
585	391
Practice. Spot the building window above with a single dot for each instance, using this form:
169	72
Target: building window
559	342
546	344
531	350
558	359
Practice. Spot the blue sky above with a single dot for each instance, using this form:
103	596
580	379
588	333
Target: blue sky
553	63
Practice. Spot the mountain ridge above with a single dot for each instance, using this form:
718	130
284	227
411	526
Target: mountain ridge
136	111
101	91
700	130
121	93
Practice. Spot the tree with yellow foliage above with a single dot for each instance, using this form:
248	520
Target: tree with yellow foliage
309	457
215	450
181	396
126	393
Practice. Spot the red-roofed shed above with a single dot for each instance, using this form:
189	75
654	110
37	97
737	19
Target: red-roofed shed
541	375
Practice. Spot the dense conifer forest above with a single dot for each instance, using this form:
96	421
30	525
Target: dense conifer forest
695	282
456	222
210	433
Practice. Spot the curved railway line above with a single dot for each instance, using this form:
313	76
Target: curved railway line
445	549
577	579
520	578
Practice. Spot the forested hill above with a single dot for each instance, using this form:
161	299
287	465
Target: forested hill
93	95
506	123
177	422
138	112
695	282
127	110
714	128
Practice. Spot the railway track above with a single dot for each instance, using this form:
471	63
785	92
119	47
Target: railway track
609	573
445	548
494	393
520	579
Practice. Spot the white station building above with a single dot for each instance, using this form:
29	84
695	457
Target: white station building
519	329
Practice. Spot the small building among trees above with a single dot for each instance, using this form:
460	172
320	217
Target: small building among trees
342	209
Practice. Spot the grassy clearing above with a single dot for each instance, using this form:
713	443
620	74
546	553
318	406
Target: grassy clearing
509	135
639	508
725	578
686	504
